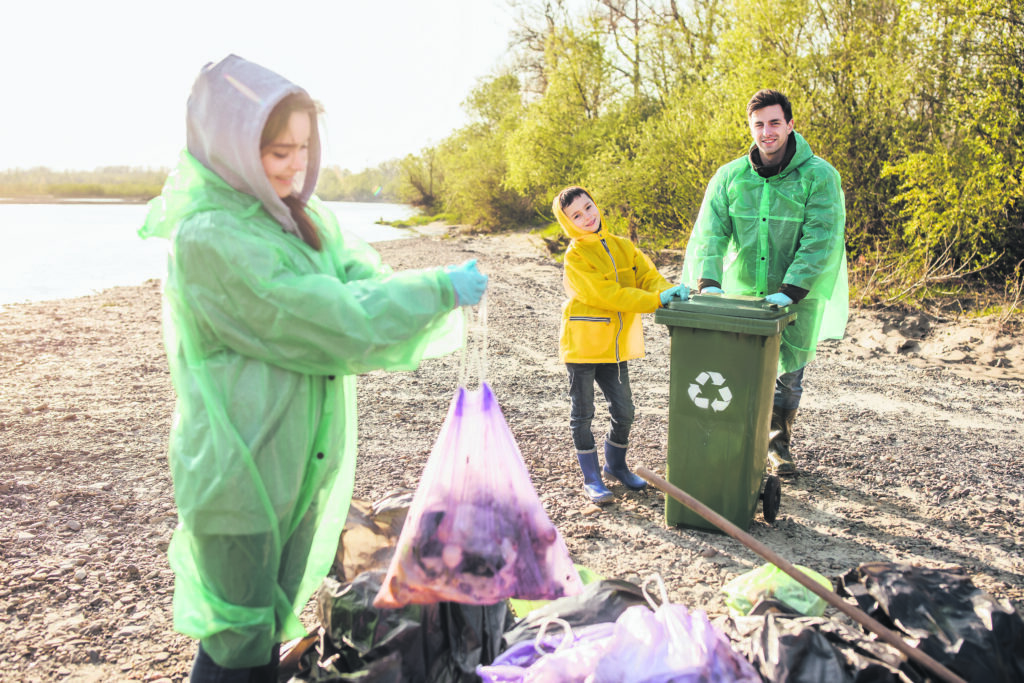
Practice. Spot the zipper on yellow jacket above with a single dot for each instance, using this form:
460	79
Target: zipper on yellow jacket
618	314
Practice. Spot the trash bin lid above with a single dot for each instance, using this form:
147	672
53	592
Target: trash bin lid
727	313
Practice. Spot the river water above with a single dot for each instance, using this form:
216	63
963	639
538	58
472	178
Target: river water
54	251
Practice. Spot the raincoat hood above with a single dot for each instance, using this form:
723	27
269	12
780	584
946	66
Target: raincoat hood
227	110
570	229
797	152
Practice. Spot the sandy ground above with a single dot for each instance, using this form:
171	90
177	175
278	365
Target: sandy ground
909	440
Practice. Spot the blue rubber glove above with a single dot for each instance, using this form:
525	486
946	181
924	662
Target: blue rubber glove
779	299
468	282
712	290
681	292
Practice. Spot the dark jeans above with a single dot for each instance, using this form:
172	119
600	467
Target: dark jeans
613	379
788	389
205	670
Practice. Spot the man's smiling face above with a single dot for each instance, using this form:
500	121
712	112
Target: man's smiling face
770	130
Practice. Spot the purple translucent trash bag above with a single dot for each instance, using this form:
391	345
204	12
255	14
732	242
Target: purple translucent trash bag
569	657
669	644
476	532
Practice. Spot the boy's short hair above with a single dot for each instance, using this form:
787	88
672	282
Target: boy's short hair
766	98
569	195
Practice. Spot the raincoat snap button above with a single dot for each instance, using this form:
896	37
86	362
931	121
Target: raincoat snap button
330	376
319	456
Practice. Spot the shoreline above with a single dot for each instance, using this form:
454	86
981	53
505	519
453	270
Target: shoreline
51	199
972	347
56	199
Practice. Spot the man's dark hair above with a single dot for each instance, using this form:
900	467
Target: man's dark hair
766	98
569	195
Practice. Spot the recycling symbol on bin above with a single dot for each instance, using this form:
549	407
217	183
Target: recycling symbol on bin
700	391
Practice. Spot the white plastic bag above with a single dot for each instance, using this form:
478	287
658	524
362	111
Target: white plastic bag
668	644
569	658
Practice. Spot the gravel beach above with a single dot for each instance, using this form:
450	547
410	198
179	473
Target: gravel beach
910	442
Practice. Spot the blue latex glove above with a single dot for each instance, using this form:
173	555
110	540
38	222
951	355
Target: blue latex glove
712	290
468	282
779	299
681	292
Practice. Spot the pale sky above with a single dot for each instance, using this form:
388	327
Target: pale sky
104	82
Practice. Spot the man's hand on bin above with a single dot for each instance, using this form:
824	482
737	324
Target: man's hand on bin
680	292
712	290
779	299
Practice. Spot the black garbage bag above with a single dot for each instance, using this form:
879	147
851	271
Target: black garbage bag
432	643
790	648
600	602
953	621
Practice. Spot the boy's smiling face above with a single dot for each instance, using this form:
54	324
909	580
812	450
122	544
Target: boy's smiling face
583	214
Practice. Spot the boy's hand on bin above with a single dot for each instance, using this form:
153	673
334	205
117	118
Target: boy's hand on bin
468	282
681	292
779	299
712	290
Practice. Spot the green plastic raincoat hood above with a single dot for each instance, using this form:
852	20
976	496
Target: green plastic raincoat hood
264	336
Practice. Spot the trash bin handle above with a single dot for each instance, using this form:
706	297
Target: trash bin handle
855	613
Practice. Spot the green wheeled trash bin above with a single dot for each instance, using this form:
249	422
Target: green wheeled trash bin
724	357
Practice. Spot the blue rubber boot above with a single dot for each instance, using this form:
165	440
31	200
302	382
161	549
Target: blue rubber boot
595	489
615	466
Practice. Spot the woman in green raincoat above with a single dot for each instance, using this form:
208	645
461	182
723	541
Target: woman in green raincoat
270	312
772	225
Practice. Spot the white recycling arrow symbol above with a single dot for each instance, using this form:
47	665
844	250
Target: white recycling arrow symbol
696	392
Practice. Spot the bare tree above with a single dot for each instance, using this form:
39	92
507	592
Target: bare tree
535	22
625	21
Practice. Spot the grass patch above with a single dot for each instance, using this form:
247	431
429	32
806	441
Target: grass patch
421	219
555	239
549	231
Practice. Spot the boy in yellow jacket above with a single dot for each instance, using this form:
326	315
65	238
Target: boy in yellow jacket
609	283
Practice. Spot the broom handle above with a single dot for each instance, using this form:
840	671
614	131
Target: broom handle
807	582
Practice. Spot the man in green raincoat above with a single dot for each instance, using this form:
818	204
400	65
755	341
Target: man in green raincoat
270	312
772	225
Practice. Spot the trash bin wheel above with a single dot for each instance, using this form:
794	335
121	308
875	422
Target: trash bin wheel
771	498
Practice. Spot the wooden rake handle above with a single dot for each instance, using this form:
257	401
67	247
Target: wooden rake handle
807	582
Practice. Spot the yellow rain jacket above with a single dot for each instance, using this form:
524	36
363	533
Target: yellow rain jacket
755	234
609	283
264	336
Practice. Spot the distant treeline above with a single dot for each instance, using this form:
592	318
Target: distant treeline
380	184
108	182
141	184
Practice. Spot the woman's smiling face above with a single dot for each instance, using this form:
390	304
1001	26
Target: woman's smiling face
286	157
